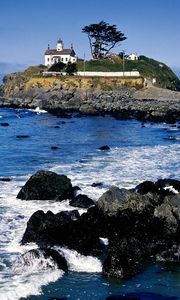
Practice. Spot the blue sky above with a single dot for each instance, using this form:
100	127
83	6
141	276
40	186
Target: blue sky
27	26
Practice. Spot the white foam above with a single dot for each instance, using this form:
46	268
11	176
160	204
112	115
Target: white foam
81	263
25	285
38	110
171	189
33	262
104	241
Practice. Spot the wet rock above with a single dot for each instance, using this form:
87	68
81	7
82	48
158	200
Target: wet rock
81	201
4	124
49	230
146	187
40	222
140	226
116	199
5	179
54	147
46	185
22	136
96	184
28	258
105	147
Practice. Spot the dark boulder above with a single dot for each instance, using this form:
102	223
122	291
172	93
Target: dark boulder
162	187
63	229
28	258
5	179
96	184
105	147
22	136
81	201
54	147
168	186
40	221
46	185
146	187
4	124
116	199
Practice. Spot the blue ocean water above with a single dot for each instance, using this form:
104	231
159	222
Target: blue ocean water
137	153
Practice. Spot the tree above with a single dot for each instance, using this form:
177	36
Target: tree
71	68
103	38
57	67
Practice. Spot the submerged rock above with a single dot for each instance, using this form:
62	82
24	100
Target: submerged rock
54	147
82	201
46	185
5	124
22	136
5	179
38	259
105	147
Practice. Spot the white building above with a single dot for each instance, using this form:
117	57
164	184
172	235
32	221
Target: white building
59	54
132	56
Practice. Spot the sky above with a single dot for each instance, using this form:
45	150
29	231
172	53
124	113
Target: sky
152	28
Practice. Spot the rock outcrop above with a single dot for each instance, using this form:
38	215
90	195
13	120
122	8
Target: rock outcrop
46	185
141	225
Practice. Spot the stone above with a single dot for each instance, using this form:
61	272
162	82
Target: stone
81	201
116	199
5	179
54	147
96	184
22	136
27	259
105	147
4	124
47	185
41	221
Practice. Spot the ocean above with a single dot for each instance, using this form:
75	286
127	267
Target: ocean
137	153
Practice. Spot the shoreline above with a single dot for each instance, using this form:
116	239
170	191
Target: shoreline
121	104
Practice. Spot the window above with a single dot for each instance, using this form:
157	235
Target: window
66	59
62	59
48	59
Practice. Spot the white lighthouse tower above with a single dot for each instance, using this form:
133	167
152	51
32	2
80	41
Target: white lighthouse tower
59	45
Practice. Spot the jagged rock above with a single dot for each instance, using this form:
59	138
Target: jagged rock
41	221
116	199
45	185
63	229
81	201
27	259
139	227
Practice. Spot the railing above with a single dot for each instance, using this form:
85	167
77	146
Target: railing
96	74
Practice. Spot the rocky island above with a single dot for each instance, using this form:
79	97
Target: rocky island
124	98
